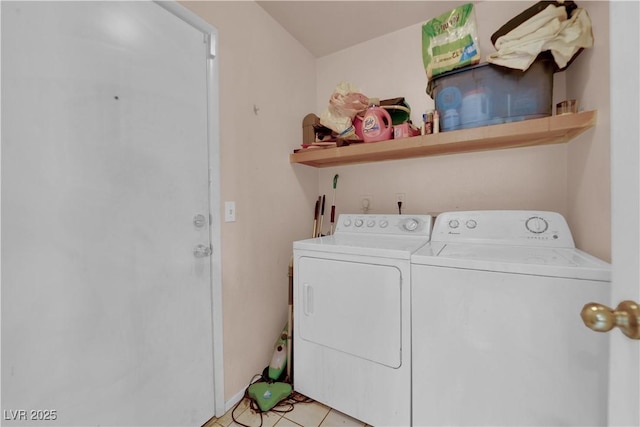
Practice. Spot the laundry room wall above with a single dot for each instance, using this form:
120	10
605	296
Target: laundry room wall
589	161
267	83
572	179
261	65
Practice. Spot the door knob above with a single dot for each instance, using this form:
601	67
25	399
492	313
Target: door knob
601	318
201	251
199	221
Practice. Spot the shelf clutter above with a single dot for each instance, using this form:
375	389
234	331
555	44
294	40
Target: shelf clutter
548	130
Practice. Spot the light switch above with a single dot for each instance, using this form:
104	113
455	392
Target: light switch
229	211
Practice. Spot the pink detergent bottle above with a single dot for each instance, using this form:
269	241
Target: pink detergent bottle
376	125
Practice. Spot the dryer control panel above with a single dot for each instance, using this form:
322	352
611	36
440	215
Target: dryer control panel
526	228
396	225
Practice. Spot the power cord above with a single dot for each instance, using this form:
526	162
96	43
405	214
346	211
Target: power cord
284	406
399	208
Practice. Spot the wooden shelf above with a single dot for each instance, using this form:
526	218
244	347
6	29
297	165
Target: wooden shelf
526	133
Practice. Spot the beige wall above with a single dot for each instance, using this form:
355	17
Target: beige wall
572	179
589	182
262	65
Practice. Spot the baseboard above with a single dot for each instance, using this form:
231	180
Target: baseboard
234	400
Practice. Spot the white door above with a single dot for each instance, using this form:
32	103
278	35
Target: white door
106	310
624	389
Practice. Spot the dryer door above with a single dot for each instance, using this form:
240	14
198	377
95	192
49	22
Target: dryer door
351	307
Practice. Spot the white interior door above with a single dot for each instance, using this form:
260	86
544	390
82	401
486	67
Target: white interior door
624	388
106	312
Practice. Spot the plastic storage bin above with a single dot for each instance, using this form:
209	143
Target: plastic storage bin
487	94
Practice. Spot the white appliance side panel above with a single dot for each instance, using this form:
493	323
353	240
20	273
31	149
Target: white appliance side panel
505	349
352	307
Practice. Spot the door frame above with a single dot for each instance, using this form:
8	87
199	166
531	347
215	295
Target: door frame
624	358
210	37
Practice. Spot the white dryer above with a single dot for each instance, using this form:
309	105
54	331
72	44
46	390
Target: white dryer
497	334
352	301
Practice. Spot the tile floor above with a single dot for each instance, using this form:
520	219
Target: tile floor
311	414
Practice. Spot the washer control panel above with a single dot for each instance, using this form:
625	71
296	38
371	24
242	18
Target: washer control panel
402	225
527	228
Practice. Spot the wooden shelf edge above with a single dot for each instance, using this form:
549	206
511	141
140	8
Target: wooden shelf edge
543	131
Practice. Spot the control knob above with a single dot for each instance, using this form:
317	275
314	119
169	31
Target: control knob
411	224
537	225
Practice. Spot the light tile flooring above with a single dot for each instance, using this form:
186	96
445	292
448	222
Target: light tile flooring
311	414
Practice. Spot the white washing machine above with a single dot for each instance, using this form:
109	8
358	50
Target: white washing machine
497	334
352	348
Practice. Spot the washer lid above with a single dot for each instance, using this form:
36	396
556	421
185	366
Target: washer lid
518	228
532	260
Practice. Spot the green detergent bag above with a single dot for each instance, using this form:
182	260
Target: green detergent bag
450	41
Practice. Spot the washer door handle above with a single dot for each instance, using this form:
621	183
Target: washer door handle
307	295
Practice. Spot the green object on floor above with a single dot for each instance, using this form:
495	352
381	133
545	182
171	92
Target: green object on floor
267	395
279	359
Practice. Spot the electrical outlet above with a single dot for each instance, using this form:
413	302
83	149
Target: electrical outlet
400	197
366	203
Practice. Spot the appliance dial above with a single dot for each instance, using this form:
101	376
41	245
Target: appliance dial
471	224
454	223
359	222
537	225
371	223
347	222
384	223
411	224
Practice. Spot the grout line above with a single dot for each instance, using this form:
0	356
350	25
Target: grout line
326	415
293	422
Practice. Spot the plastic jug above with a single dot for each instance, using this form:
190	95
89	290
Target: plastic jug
376	124
476	107
451	119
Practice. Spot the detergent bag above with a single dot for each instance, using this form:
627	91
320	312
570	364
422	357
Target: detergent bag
450	41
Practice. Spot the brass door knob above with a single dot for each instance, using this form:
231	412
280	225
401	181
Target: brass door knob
601	318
